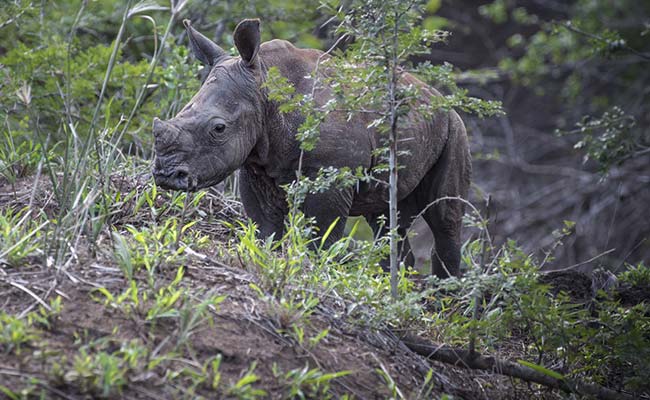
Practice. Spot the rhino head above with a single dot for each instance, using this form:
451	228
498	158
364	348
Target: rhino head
214	134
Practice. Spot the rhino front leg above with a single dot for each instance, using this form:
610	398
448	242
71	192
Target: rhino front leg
326	208
263	202
407	210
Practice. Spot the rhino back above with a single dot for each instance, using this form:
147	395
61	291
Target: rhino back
351	143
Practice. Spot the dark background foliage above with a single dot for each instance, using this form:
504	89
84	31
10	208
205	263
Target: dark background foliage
551	78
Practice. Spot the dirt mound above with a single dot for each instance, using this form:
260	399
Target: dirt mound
244	332
210	333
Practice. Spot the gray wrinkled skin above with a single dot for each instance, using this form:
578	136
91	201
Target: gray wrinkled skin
230	125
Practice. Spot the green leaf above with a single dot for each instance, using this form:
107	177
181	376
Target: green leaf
12	395
433	6
145	6
109	296
434	23
541	369
328	232
247	380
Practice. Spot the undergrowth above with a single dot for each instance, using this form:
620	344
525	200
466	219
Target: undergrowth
495	304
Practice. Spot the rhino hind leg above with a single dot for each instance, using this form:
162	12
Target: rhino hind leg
449	177
445	257
445	219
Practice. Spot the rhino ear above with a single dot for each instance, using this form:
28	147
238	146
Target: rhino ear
247	40
205	50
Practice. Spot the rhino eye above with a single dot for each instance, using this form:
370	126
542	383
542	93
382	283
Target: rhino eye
219	128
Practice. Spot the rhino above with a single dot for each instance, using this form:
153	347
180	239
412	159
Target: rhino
231	124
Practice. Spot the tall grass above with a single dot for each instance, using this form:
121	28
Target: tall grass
82	179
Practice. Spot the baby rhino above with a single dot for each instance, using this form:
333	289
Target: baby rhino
230	124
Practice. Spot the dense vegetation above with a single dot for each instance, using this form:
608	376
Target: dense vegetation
112	287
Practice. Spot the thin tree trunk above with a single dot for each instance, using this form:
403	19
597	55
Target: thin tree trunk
392	201
392	160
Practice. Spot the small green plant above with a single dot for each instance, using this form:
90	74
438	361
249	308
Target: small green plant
194	314
174	202
102	373
211	371
150	247
149	303
636	275
34	389
305	383
427	387
191	380
391	385
18	160
243	389
46	316
15	333
166	299
9	393
20	235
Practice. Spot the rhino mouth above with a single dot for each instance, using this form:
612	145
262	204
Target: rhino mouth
178	178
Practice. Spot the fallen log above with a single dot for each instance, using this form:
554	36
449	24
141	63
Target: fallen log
463	358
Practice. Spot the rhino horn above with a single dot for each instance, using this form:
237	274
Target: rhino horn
159	127
164	133
204	49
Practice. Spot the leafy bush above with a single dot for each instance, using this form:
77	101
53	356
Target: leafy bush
605	342
575	44
638	275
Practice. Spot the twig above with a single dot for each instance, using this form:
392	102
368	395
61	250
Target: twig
601	39
29	292
16	372
466	202
629	253
11	20
477	291
604	253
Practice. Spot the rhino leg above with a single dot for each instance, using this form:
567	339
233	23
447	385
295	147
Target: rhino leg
407	209
326	208
445	259
263	203
445	219
449	177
